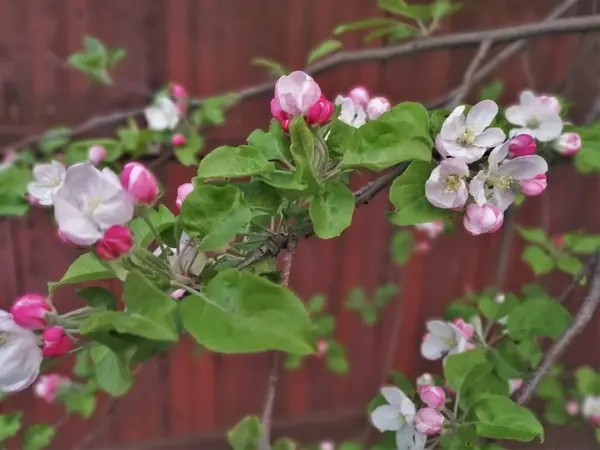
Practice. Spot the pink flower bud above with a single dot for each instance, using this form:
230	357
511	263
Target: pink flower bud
321	112
572	407
182	192
32	200
47	386
428	421
469	346
178	140
296	93
522	145
360	96
551	102
433	396
558	241
377	106
321	348
56	342
139	182
96	154
465	328
481	219
422	246
326	445
178	293
534	186
515	384
116	242
285	125
29	311
424	379
568	144
277	112
178	91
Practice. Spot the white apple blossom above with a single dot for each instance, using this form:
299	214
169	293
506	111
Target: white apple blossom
590	409
469	137
48	178
499	184
431	229
398	415
443	339
536	117
89	202
351	113
162	115
296	93
20	355
185	259
446	186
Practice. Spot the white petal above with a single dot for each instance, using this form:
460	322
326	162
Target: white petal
436	195
433	348
528	99
551	127
503	198
477	188
42	192
467	154
453	166
498	155
80	230
462	195
516	131
49	173
440	329
408	410
407	438
385	418
156	118
393	395
490	138
454	124
524	167
20	357
481	116
191	260
516	115
117	210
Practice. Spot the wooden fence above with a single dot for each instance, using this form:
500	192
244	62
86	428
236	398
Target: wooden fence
185	402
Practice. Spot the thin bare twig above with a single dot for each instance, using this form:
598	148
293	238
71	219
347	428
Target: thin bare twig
584	315
576	281
467	84
527	71
267	415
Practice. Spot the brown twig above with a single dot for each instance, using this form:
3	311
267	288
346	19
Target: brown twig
502	35
467	84
267	415
584	315
576	281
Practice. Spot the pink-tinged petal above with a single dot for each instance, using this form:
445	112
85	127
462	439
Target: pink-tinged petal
462	195
496	156
534	186
467	154
551	127
481	116
568	144
429	421
523	167
516	115
454	124
456	166
385	418
528	99
490	138
433	348
377	106
480	219
297	92
360	95
440	329
522	145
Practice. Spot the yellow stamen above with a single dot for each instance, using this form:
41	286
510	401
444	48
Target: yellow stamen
452	184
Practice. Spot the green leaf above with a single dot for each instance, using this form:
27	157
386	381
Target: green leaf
336	358
54	139
187	154
160	219
537	258
384	294
534	235
273	67
80	402
570	264
530	351
261	197
285	444
86	267
443	8
362	25
98	297
38	437
214	214
10	424
323	49
493	310
303	151
458	310
316	304
244	313
501	418
129	323
341	138
582	243
587	381
402	244
506	360
233	162
492	91
538	317
246	434
83	368
114	56
112	370
417	12
331	211
272	144
462	369
78	151
597	434
550	388
212	110
356	299
556	413
93	46
408	196
349	446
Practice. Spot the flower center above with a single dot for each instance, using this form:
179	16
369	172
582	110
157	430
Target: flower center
532	122
92	204
3	338
452	184
450	342
504	182
401	419
54	182
467	137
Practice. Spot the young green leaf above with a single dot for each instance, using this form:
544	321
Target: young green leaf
10	424
233	162
335	357
402	244
38	437
272	144
98	297
537	258
112	370
87	267
246	434
331	211
587	381
492	91
187	154
501	418
273	67
534	235
323	49
362	25
538	317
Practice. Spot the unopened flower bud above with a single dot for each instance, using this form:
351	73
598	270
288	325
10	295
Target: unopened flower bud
558	241
360	96
178	140
296	93
466	329
433	396
96	154
480	219
116	242
178	293
285	125
425	379
140	183
428	421
321	112
522	145
321	347
56	342
568	144
277	112
29	311
377	106
572	407
515	384
178	91
535	185
48	386
182	192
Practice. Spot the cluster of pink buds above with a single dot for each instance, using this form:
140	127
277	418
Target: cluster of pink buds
298	94
429	420
30	311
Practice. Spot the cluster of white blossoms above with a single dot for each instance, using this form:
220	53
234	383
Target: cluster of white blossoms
512	165
359	106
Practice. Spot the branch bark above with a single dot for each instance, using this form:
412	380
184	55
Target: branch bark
584	315
267	415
